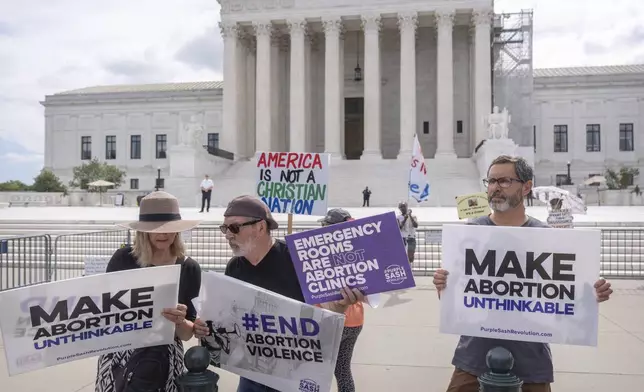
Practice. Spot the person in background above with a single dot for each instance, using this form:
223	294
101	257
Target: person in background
530	198
157	242
264	261
206	192
353	322
366	195
408	225
509	180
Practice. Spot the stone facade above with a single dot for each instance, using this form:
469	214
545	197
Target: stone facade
592	118
290	82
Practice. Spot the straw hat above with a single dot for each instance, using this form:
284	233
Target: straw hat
159	213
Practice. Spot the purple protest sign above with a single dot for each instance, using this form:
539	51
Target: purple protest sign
367	254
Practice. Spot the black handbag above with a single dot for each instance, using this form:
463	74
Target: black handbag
146	370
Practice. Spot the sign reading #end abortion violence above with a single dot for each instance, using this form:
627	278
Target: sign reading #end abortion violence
294	183
367	254
58	322
266	337
519	283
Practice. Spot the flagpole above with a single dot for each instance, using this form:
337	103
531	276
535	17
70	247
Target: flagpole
413	142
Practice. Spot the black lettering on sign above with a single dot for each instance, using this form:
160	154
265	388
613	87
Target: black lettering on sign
311	177
471	261
291	176
139	297
265	174
510	265
558	267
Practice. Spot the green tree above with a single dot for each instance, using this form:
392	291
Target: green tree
47	181
14	186
94	171
620	179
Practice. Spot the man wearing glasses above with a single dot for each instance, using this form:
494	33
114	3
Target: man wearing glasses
509	180
261	260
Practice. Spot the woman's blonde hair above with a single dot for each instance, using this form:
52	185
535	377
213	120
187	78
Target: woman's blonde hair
143	250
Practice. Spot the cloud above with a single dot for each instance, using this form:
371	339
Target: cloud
583	33
60	45
18	163
203	51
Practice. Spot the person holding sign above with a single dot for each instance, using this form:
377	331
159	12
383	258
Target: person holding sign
509	180
408	225
263	261
353	322
157	243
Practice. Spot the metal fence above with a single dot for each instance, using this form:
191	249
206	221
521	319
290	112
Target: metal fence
25	261
30	260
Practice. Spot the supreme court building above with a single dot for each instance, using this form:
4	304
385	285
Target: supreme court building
356	79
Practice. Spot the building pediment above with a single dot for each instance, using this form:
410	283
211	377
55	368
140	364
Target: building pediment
282	7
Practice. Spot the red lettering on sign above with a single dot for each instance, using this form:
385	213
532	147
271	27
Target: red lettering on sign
290	160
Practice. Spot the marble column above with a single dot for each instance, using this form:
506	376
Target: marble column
242	122
332	94
279	138
264	124
230	139
371	24
482	20
298	85
445	85
407	23
250	110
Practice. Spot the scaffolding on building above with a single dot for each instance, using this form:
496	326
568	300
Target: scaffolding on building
512	69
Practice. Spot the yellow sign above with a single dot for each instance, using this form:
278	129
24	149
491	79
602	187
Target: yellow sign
472	206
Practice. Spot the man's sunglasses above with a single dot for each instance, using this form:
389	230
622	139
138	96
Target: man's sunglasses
236	227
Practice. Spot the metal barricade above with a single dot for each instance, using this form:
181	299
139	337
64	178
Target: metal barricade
622	253
25	261
208	246
72	250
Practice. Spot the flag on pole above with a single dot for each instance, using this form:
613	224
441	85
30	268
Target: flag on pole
418	182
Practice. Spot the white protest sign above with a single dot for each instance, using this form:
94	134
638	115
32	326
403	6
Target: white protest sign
96	264
293	182
266	337
58	322
521	283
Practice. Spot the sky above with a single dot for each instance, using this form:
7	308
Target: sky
49	46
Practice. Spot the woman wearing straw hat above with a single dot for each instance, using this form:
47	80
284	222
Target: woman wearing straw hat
157	242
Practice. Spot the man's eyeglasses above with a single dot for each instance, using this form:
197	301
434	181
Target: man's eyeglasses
236	227
504	182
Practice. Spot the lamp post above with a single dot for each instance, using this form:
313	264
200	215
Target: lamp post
569	182
158	179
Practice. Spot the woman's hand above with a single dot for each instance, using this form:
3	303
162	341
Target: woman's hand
176	315
200	329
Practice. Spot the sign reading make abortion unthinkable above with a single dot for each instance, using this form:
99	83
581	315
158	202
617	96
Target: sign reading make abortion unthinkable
293	182
519	283
367	254
266	337
53	323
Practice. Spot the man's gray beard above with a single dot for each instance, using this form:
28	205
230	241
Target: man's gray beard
500	207
508	203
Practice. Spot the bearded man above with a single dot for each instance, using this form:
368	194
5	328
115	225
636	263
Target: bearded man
508	182
264	261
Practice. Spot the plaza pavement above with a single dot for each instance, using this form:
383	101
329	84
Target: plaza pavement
401	349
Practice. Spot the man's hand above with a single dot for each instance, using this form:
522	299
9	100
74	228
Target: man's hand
603	290
440	279
349	297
